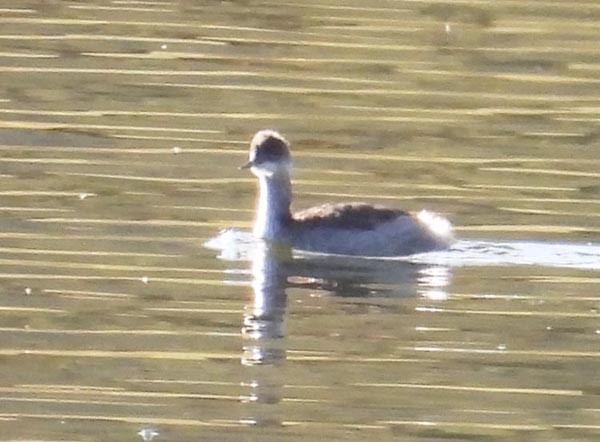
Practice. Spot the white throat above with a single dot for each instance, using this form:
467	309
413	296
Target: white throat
273	211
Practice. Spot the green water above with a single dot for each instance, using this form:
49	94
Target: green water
113	315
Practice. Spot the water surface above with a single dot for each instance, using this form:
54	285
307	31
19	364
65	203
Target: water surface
122	124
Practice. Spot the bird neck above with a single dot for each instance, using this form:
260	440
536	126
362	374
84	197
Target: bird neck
273	211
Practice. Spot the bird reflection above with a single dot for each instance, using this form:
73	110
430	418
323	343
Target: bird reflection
264	318
275	269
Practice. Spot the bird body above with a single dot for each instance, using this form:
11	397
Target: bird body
347	228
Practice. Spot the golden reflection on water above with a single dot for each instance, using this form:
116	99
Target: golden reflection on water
121	126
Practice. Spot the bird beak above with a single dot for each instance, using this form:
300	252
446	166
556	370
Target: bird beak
247	165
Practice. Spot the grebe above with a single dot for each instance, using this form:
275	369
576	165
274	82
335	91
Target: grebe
347	228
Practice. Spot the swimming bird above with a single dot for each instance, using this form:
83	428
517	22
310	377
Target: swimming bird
344	228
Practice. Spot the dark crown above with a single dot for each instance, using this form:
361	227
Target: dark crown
269	146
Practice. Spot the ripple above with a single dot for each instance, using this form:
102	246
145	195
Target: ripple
235	244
